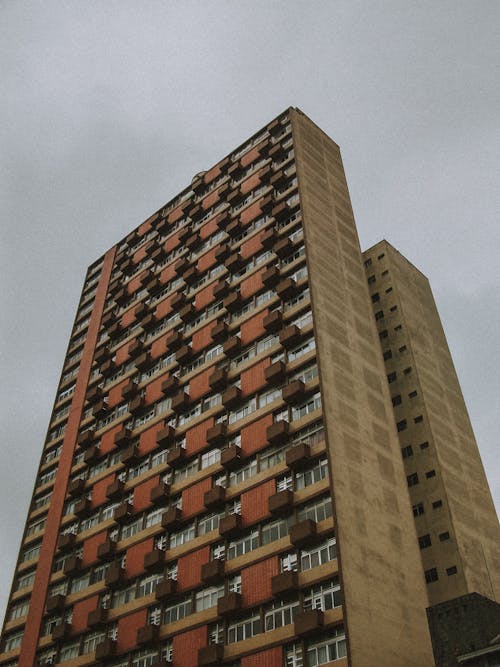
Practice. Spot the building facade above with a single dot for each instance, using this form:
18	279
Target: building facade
222	480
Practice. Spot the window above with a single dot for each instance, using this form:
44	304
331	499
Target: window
177	611
25	580
368	261
431	575
424	445
424	541
451	570
243	629
375	297
407	451
412	479
322	553
407	370
208	597
92	640
19	610
69	651
393	309
437	504
387	355
430	473
419	419
418	509
412	394
398	327
293	655
371	279
383	334
315	474
208	523
280	614
327	650
312	404
242	546
402	425
317	510
324	596
274	531
182	536
379	315
381	256
402	349
443	537
391	377
388	290
396	400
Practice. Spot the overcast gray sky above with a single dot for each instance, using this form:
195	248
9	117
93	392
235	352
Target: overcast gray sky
107	109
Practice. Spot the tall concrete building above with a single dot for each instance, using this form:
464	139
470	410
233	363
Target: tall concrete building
222	480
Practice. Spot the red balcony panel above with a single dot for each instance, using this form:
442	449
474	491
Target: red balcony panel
281	503
216	435
308	623
230	525
231	457
165	437
176	457
215	497
160	494
154	561
273	322
293	392
166	589
290	336
285	583
303	533
213	571
278	432
299	457
229	605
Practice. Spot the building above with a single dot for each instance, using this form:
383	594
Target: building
222	480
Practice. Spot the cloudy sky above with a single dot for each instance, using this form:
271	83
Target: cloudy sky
107	109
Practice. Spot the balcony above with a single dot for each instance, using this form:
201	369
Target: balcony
55	603
299	456
136	405
166	589
229	604
178	301
149	322
165	437
308	623
277	433
278	179
123	512
267	203
268	238
97	618
174	341
273	322
154	561
234	227
215	497
290	336
153	286
160	494
83	508
122	437
92	454
131	455
286	583
271	277
281	503
231	397
106	550
170	385
193	241
222	220
108	367
231	457
230	525
76	487
115	576
115	489
293	392
101	354
232	346
100	408
222	252
283	246
121	297
221	289
232	301
143	361
94	394
213	571
106	650
303	533
184	354
176	457
141	310
234	262
187	312
275	373
148	634
286	289
66	541
219	332
210	656
180	266
216	435
180	402
218	379
135	348
61	631
172	518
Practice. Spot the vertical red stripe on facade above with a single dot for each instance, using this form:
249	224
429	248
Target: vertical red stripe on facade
196	437
142	493
198	386
202	338
186	646
167	274
44	569
251	285
250	184
256	581
128	318
127	630
172	242
164	307
253	328
254	378
253	437
121	354
139	255
135	557
250	213
192	497
209	229
207	260
250	156
158	347
147	439
273	657
81	612
204	297
254	503
251	246
189	568
153	391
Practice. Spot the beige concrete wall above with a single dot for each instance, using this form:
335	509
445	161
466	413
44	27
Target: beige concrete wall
385	596
467	512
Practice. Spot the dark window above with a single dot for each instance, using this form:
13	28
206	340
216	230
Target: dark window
431	575
407	371
444	536
451	570
412	479
388	290
402	425
418	509
419	419
430	473
379	315
375	297
387	355
393	309
437	504
391	377
368	261
407	451
396	400
381	256
402	349
424	445
371	280
386	272
398	327
383	334
424	541
412	394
